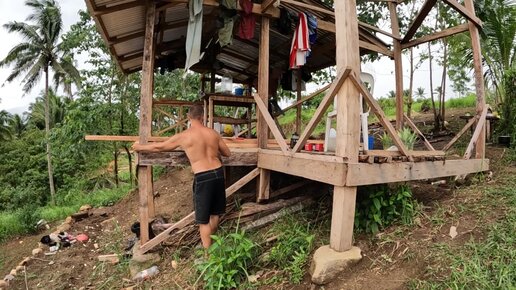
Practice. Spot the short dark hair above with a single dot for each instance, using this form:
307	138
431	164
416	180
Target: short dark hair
196	112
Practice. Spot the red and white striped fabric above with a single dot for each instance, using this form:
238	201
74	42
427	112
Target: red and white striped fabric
300	43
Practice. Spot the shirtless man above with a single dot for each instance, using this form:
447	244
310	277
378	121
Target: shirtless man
203	147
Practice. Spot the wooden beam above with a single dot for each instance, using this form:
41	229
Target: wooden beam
466	12
262	131
101	10
438	35
419	133
365	174
323	106
479	78
398	65
375	107
330	171
146	201
211	112
145	247
309	7
173	102
264	112
309	97
476	134
298	107
376	29
427	6
266	4
264	189
239	157
388	153
376	48
290	188
461	132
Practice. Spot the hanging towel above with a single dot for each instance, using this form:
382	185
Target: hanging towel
194	33
300	47
284	22
247	20
227	15
312	27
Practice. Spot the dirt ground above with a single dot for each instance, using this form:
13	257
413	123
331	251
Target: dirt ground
390	260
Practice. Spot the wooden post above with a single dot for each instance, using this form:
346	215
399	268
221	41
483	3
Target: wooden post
212	82
205	112
262	131
211	111
298	112
479	79
398	69
146	204
348	123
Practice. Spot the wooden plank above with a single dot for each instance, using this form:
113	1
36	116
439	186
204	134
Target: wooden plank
173	102
239	157
461	132
314	169
374	28
229	120
101	10
479	78
309	97
262	131
438	35
307	156
375	107
478	131
266	4
376	48
298	107
427	6
398	65
323	106
290	188
309	7
419	133
466	12
262	108
386	153
190	218
211	111
264	189
365	174
146	202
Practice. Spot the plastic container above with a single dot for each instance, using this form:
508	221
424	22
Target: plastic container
227	84
146	274
370	142
319	147
308	147
239	91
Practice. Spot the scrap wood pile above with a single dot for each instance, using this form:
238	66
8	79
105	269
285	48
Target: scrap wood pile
250	216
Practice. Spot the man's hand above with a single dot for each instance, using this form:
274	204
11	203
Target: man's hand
136	146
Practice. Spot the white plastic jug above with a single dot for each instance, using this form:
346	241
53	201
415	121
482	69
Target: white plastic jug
227	84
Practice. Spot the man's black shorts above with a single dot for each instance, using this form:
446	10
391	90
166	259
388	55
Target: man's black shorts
209	192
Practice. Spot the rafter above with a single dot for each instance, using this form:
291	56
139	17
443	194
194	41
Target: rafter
429	4
438	35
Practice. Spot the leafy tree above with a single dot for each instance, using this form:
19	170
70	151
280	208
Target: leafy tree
18	125
5	130
39	53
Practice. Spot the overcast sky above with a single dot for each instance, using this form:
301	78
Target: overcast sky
13	100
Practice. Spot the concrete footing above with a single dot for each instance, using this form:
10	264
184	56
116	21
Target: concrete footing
328	263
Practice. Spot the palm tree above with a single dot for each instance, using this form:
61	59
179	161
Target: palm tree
420	93
57	110
5	130
18	124
39	53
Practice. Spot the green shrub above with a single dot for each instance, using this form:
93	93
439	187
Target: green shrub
468	101
28	217
378	206
9	225
229	257
293	247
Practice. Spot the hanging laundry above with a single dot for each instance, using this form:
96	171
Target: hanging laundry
300	48
312	27
227	18
247	20
285	22
194	33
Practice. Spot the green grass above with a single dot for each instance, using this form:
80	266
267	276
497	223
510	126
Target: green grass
486	263
14	223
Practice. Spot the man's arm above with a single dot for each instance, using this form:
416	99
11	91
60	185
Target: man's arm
167	145
223	148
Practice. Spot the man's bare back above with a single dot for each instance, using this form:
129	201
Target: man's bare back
202	146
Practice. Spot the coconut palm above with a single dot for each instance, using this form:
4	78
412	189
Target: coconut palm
18	125
38	54
5	130
57	109
420	93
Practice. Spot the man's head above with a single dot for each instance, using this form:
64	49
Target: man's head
196	112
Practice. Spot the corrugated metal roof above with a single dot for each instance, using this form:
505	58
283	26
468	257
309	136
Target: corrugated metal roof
122	25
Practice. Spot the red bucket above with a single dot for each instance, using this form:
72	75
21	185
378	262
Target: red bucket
308	147
319	147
